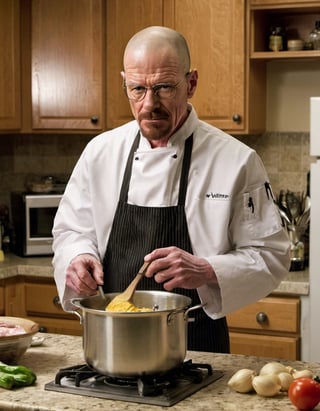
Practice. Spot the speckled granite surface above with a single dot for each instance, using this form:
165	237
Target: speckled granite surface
61	351
297	282
35	266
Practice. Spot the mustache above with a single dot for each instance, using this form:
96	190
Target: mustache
154	115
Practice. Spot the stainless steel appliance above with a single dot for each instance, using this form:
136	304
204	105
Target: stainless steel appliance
32	218
137	356
313	336
164	389
135	343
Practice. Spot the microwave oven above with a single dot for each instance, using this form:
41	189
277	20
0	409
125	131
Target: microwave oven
32	219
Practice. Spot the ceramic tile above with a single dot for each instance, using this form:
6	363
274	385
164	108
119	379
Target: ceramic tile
285	155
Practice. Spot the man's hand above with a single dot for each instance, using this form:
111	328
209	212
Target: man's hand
177	268
84	274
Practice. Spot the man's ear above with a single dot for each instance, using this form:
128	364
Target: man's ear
192	82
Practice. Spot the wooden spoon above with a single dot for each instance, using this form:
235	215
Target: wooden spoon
126	296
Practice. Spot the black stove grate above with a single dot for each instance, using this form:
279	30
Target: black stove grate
164	389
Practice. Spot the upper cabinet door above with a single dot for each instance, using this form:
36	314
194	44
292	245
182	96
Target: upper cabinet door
10	107
214	31
67	55
124	19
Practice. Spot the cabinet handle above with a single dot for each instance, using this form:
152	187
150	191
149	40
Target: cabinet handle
42	329
236	118
56	302
262	318
94	119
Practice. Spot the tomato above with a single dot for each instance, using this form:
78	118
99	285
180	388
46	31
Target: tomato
304	393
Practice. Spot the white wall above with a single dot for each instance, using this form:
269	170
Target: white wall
290	84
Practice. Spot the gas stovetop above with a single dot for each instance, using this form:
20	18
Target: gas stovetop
163	389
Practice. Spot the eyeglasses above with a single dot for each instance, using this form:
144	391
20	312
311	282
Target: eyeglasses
136	92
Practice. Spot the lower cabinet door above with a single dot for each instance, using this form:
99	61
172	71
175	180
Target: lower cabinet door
57	325
43	306
265	345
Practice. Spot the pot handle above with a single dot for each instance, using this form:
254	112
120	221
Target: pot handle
186	312
195	307
74	301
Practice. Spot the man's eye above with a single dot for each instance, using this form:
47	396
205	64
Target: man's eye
138	89
160	87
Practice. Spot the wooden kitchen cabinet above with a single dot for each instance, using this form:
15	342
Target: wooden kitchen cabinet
217	45
267	328
217	48
36	298
124	19
14	297
42	305
10	97
297	17
67	57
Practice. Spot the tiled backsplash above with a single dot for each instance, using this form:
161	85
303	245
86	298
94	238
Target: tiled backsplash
286	158
22	156
285	155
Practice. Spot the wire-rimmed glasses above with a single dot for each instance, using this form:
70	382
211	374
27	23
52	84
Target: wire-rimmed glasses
137	92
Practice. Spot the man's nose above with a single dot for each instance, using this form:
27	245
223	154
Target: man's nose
151	98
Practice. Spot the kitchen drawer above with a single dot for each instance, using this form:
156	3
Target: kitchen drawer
42	305
265	345
274	314
58	325
42	300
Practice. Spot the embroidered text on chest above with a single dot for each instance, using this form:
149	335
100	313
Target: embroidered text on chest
219	196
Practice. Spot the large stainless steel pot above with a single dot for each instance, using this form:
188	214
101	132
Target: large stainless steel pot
135	343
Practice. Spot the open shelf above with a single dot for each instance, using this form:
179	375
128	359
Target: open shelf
284	55
297	18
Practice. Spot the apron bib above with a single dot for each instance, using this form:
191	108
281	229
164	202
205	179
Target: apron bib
138	230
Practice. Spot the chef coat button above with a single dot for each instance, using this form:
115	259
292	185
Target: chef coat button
136	158
174	156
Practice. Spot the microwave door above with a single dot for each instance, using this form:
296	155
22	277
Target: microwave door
40	222
40	213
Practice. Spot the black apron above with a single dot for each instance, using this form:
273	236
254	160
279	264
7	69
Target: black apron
138	230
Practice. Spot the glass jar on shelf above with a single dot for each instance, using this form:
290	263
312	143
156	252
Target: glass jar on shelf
314	36
277	39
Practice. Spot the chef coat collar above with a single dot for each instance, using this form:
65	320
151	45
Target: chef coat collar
179	137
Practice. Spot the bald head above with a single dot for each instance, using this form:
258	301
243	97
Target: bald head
155	39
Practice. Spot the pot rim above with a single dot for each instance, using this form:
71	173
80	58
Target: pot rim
77	302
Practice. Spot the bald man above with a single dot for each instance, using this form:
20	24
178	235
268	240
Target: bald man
172	190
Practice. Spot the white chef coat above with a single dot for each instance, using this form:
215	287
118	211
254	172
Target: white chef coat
232	219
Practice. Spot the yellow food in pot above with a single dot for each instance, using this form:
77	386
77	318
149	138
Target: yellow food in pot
125	306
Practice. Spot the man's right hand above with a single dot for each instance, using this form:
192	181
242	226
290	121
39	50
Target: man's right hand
84	274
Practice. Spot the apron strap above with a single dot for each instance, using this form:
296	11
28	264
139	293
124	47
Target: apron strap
127	173
185	170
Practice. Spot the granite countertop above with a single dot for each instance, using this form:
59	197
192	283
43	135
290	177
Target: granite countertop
296	283
60	351
35	266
